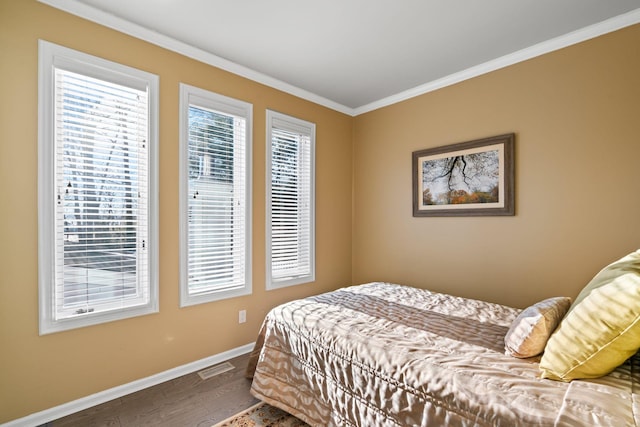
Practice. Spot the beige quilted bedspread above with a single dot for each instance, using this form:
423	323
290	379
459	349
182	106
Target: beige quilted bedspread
387	355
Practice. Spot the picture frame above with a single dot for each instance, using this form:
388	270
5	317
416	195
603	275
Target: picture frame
473	178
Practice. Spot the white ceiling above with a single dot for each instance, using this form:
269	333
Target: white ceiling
358	55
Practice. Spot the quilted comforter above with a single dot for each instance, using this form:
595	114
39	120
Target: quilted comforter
381	354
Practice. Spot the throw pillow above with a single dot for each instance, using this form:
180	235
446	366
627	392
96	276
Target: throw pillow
530	331
602	328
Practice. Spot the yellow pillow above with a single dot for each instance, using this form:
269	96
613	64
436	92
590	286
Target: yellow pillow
602	328
530	331
627	264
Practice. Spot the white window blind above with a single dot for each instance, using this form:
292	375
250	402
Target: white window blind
215	177
290	201
96	151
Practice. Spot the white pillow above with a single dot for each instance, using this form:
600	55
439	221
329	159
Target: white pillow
530	331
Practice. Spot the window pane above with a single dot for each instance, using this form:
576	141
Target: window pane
290	204
101	174
215	234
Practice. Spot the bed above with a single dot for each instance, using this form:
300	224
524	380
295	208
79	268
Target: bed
382	354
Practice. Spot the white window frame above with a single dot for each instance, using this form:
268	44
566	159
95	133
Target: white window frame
190	95
52	57
276	120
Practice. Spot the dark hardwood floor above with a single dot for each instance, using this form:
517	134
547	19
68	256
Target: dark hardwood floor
186	401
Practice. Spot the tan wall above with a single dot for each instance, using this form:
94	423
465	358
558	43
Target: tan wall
40	372
576	115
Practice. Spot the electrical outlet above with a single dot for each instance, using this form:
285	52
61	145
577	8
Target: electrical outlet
242	316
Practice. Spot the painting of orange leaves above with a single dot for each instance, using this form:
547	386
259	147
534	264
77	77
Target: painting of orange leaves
473	178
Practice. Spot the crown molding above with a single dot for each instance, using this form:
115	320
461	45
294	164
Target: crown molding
578	36
90	13
98	16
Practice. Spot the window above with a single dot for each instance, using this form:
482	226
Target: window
97	190
215	208
290	201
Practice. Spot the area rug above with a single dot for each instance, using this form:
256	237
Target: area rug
262	415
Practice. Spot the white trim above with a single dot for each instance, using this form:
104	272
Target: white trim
203	98
278	120
50	57
81	404
92	14
574	37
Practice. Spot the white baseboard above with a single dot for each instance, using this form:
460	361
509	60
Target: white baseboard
113	393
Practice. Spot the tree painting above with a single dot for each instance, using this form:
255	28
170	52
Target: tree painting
464	178
472	178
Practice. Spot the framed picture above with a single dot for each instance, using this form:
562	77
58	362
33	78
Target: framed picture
473	178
